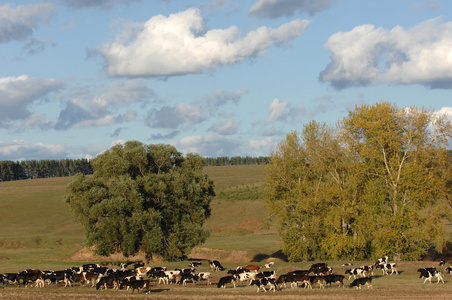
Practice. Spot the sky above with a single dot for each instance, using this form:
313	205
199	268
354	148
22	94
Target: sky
213	77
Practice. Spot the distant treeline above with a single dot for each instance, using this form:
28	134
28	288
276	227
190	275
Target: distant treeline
31	169
236	160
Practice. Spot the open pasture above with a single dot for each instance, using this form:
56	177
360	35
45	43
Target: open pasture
39	231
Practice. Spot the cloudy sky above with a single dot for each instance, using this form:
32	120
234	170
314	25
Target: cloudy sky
214	77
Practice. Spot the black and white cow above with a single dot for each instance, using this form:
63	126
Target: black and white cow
215	265
195	264
225	280
358	282
205	276
386	267
262	283
383	260
430	273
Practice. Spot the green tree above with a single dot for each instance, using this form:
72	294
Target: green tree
376	184
143	197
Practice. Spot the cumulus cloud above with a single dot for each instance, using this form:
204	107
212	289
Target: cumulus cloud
228	128
180	44
88	109
171	117
103	4
369	56
273	9
17	94
278	110
19	150
207	145
219	98
18	23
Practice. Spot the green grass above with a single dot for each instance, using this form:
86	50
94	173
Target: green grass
37	226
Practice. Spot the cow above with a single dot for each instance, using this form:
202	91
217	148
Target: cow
334	278
448	270
266	274
195	264
10	277
90	278
188	277
429	273
262	283
358	282
31	275
253	268
442	263
142	271
317	266
173	275
388	266
107	281
137	285
354	272
215	265
268	265
205	276
225	280
241	278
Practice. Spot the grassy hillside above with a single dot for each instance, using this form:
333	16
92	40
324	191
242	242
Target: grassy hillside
37	225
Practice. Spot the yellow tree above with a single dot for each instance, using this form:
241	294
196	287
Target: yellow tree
376	184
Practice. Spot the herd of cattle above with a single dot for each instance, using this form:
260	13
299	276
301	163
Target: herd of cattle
138	277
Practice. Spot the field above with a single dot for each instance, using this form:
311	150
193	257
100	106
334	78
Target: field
38	230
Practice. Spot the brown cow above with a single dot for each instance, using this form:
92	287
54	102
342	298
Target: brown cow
254	268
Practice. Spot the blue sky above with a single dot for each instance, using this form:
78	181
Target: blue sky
218	77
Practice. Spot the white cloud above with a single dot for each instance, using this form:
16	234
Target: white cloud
20	150
265	144
18	23
228	128
278	8
180	44
207	145
18	93
278	110
368	55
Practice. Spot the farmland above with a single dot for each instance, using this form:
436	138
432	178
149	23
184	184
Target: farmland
39	231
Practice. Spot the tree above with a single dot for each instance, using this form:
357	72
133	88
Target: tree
143	197
376	184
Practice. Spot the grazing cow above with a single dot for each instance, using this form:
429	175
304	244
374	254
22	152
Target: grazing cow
448	270
195	264
253	268
442	263
31	275
205	276
225	280
10	277
173	275
386	267
105	282
268	265
137	285
262	283
429	273
333	278
358	282
215	265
